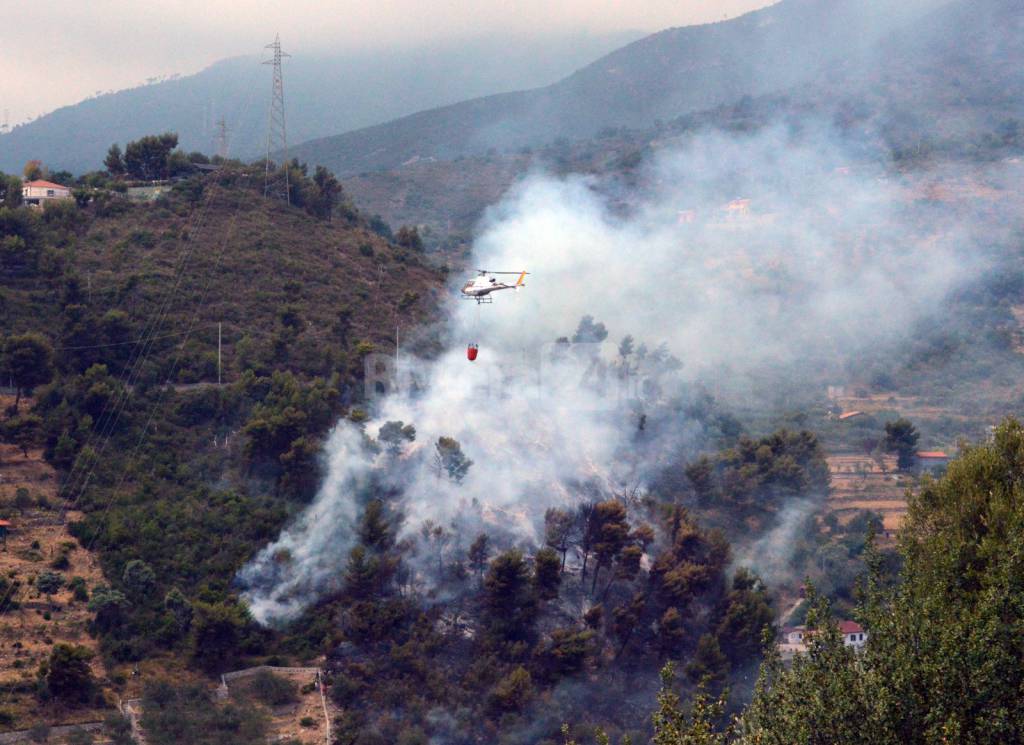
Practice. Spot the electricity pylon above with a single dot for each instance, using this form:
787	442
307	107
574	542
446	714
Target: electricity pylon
222	138
277	138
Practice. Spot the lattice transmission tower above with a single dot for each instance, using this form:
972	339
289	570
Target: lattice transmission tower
277	137
222	138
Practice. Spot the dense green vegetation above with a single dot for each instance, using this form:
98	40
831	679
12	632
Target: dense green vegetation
461	635
179	714
942	663
111	312
179	485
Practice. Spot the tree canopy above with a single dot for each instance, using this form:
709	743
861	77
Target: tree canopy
942	663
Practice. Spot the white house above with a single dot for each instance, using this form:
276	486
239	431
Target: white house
796	638
40	192
853	633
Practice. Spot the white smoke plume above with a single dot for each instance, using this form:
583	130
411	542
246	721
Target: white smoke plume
738	253
770	555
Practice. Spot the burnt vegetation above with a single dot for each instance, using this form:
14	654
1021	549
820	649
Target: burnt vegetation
466	631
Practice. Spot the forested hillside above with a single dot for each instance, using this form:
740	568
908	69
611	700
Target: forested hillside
943	660
751	386
180	481
114	311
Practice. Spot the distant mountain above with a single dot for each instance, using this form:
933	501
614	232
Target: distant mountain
946	85
325	94
661	76
957	73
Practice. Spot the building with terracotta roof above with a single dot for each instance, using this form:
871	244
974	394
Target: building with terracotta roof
931	460
794	639
40	192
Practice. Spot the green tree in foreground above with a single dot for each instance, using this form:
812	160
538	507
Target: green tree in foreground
674	727
943	661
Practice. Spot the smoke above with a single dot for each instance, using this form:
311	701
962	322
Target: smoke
771	554
778	251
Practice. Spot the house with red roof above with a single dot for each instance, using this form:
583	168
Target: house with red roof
932	460
853	634
795	639
40	192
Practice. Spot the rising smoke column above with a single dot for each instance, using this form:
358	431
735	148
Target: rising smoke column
740	253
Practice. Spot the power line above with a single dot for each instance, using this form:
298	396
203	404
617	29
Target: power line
119	343
277	136
74	483
80	488
129	375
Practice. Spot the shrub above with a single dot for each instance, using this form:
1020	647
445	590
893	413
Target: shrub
273	690
22	499
79	590
514	691
68	676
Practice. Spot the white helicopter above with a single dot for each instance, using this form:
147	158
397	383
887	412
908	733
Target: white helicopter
480	287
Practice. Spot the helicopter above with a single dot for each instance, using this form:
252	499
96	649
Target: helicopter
480	287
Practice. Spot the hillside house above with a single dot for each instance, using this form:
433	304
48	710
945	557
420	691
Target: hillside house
853	633
738	207
40	192
795	639
931	460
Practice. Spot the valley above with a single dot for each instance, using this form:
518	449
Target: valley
280	463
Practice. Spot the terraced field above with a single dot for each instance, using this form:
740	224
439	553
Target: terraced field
30	623
864	482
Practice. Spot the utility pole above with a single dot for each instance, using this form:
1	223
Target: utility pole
218	350
277	138
6	126
222	138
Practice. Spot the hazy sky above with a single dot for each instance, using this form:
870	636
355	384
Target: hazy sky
61	51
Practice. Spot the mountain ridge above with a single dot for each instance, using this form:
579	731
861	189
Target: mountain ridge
326	93
634	86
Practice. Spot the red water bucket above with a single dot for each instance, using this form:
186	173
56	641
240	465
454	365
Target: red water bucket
472	351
